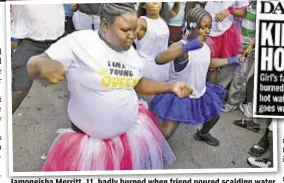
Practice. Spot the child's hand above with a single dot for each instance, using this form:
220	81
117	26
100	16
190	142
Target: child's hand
235	60
246	54
192	44
222	15
181	89
52	71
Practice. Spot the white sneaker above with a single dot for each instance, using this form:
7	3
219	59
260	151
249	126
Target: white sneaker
259	163
247	109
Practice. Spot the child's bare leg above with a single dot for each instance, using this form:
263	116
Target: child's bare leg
212	77
168	128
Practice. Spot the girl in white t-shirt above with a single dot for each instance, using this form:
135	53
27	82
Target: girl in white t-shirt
153	37
110	129
204	104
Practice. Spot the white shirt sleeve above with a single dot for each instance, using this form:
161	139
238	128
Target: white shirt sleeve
61	52
243	3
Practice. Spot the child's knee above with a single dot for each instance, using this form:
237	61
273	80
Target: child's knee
169	128
167	135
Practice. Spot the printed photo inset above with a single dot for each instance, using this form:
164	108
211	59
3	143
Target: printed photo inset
117	87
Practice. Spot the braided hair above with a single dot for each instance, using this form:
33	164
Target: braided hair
109	11
192	20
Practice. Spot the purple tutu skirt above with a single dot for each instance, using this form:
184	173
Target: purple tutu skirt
168	106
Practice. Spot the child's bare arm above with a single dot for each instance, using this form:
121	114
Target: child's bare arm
175	10
177	49
46	68
220	62
142	28
151	87
173	52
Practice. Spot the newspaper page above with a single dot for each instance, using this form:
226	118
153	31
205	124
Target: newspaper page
269	56
141	92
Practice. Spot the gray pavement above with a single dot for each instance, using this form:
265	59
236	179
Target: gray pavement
44	111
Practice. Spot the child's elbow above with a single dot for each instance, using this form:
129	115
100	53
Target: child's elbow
213	66
32	67
158	60
32	61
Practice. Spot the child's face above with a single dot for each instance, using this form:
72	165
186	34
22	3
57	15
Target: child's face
122	32
204	28
153	8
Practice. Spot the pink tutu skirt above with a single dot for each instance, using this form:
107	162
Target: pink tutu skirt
142	147
226	45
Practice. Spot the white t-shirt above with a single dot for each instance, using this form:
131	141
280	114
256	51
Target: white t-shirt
38	22
103	102
214	7
195	72
154	42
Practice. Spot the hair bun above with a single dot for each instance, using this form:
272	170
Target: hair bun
109	11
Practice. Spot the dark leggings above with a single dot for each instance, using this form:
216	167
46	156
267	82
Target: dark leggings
169	127
209	125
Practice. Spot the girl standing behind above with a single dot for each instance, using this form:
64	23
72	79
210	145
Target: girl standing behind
176	22
153	37
224	35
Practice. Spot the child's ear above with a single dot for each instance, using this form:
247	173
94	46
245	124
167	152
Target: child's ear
104	25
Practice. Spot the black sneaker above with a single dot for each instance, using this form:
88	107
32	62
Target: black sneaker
206	138
259	163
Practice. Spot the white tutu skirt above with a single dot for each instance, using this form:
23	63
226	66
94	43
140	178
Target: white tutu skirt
142	147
